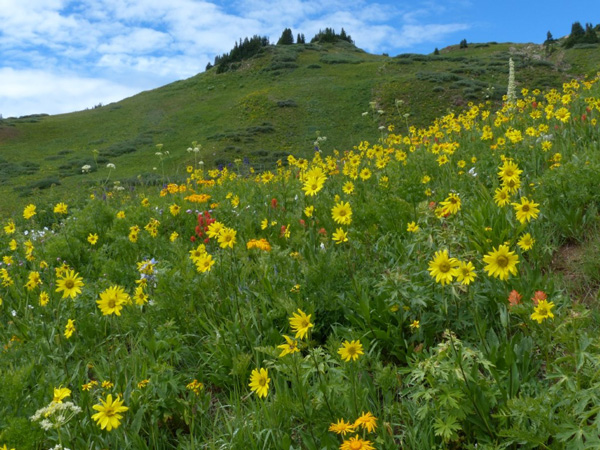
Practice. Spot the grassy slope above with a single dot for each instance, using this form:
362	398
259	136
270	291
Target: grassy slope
236	114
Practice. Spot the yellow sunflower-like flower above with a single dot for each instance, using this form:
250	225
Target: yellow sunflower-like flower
466	272
204	263
60	393
339	236
300	323
290	346
501	262
526	242
341	427
542	311
60	208
227	238
109	413
502	197
69	328
356	443
443	268
259	382
112	300
367	421
351	350
526	210
29	211
452	204
70	284
342	213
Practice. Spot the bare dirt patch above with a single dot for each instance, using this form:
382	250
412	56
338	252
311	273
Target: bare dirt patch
571	261
8	133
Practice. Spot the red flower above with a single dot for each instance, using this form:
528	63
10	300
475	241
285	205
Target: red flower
514	298
539	295
193	239
302	222
274	203
323	231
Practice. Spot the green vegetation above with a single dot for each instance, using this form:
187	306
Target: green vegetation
329	84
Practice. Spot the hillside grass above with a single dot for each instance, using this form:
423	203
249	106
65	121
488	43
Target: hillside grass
435	287
274	104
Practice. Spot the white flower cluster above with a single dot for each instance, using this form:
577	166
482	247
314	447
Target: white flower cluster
511	94
55	414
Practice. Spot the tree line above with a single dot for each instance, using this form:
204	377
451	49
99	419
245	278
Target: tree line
249	47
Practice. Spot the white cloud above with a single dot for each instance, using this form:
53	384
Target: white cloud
25	92
77	53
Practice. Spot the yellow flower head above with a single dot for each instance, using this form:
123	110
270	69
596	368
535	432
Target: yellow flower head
60	208
341	427
356	443
69	328
342	213
290	346
227	238
339	236
109	413
69	283
350	350
60	393
259	382
501	262
526	210
466	272
92	238
29	211
443	268
542	311
112	300
300	323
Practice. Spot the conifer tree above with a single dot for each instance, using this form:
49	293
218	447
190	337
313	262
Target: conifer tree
287	37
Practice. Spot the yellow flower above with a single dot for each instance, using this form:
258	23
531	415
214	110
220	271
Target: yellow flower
300	323
12	245
145	202
342	213
60	393
367	421
69	283
259	382
341	427
412	227
227	238
60	208
309	211
443	268
526	210
501	262
264	224
312	185
351	350
197	253
466	272
174	236
290	346
339	236
109	413
44	298
356	443
348	187
502	197
509	171
174	209
195	386
204	263
121	215
112	300
92	238
526	242
542	311
33	281
139	296
29	211
451	205
69	328
10	228
415	325
214	229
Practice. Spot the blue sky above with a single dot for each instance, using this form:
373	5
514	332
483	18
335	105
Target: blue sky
59	56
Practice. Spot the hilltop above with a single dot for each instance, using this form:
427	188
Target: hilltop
275	103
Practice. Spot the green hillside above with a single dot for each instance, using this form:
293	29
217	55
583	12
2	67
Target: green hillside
274	104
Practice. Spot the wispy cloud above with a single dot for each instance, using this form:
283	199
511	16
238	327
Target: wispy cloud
95	50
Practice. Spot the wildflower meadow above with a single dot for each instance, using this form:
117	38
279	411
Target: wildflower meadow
415	292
